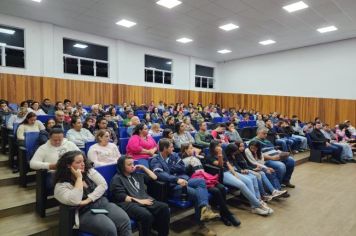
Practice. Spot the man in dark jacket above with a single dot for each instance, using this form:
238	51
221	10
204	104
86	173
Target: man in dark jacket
323	144
47	107
129	192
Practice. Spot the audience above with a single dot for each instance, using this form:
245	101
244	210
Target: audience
102	124
30	124
59	117
79	135
155	130
232	134
133	123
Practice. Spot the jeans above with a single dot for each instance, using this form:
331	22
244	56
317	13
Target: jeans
197	193
284	168
231	180
266	183
346	153
296	143
273	178
336	150
303	140
284	143
251	182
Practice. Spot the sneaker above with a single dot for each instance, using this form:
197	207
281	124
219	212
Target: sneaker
289	185
267	198
277	193
351	160
260	211
266	207
205	231
207	214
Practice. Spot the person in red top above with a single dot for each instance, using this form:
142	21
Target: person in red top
141	146
219	134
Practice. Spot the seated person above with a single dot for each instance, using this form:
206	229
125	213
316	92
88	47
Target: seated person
169	168
155	130
78	135
102	124
219	134
321	143
129	192
59	117
103	153
203	137
344	135
308	128
89	124
17	118
147	120
114	116
30	124
214	113
170	123
47	107
232	133
188	125
260	122
134	121
48	154
285	131
231	178
141	146
156	116
181	136
127	121
283	166
192	161
78	184
35	108
275	139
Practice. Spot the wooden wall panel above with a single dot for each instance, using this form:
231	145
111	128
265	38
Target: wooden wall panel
17	88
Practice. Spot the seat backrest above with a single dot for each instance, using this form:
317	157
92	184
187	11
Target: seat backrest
87	145
108	173
45	118
123	144
157	138
13	106
123	132
217	119
31	143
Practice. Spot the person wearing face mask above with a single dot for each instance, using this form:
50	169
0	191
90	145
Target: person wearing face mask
78	184
322	143
48	154
129	192
30	124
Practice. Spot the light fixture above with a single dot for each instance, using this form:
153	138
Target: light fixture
295	6
267	42
184	40
7	31
169	3
36	0
224	51
126	23
229	27
327	29
79	45
169	63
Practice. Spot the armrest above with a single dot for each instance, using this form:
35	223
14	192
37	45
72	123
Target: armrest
158	190
41	192
66	220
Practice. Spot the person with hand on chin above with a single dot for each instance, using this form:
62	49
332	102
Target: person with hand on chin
77	183
129	192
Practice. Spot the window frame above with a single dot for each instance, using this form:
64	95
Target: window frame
4	46
154	70
203	76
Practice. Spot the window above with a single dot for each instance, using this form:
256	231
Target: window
158	70
12	47
204	77
83	58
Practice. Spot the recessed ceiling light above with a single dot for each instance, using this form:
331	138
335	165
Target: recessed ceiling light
327	29
169	3
295	6
36	0
224	51
79	45
126	23
184	40
7	31
229	27
267	42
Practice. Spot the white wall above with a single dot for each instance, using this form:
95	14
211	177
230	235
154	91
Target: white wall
326	71
44	53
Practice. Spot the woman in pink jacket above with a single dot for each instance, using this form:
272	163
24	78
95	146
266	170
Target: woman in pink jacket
141	146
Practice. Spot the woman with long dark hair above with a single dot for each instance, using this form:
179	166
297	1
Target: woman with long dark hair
77	183
30	124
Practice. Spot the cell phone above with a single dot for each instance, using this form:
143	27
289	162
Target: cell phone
99	211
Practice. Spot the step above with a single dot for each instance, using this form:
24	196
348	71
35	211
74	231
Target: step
9	178
4	160
17	200
301	157
28	224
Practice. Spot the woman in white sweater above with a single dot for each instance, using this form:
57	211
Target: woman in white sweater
77	134
78	184
30	124
103	152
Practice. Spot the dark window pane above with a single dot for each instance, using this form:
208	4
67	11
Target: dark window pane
204	82
15	58
158	63
70	65
102	69
211	83
158	77
16	39
149	76
0	56
167	78
197	82
204	71
91	51
86	67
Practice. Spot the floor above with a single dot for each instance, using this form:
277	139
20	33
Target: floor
323	203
